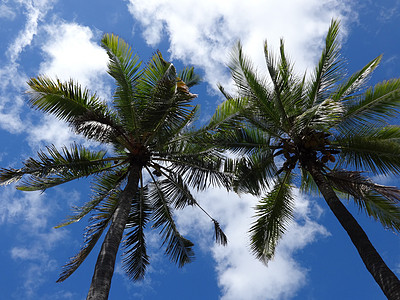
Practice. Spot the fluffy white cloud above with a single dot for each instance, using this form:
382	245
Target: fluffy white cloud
240	275
73	51
203	32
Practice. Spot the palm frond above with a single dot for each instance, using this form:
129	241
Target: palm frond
69	102
175	189
55	167
228	114
377	201
103	187
354	84
251	86
321	117
377	104
178	248
189	77
200	170
370	148
254	172
98	223
273	213
135	256
329	69
124	67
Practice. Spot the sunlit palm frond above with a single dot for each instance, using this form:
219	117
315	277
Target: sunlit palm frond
377	104
98	223
353	85
320	117
378	201
274	213
329	69
69	102
123	66
370	148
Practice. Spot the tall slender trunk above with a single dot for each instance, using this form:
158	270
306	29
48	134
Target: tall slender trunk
103	272
385	278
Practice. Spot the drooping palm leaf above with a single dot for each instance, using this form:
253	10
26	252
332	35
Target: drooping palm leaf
98	223
178	248
103	187
69	102
274	213
378	201
256	171
135	256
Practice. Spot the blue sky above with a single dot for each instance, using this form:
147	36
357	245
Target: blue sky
315	260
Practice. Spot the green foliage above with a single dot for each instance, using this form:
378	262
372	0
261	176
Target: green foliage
323	121
147	125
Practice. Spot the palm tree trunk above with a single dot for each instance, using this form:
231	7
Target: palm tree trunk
101	281
386	279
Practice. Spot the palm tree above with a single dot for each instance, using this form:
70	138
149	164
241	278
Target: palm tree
148	171
331	127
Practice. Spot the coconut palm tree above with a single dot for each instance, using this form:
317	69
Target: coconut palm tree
145	175
329	127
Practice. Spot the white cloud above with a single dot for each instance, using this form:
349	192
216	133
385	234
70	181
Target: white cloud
7	12
73	51
203	32
13	81
35	11
240	275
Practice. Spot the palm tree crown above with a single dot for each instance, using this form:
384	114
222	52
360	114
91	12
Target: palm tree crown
331	128
149	170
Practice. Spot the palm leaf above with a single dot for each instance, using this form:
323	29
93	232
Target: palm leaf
124	67
347	90
377	104
69	102
329	69
189	77
370	148
104	186
273	213
56	167
254	172
178	248
135	256
378	201
98	223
